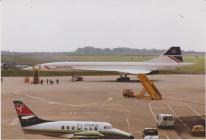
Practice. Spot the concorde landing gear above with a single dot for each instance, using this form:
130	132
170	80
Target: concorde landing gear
123	78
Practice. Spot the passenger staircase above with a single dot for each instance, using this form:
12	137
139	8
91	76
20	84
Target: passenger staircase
149	88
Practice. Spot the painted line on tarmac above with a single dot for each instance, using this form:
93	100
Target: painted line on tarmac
150	107
152	111
166	135
196	112
128	111
176	114
184	100
14	122
52	102
128	125
108	100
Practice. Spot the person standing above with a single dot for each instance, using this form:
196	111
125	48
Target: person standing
47	81
57	81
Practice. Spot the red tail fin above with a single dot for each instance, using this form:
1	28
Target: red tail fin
26	116
22	109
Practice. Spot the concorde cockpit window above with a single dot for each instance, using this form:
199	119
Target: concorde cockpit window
67	127
105	127
62	127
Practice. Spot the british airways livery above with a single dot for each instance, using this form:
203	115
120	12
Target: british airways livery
170	59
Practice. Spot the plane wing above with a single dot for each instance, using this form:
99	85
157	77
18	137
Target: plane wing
120	70
84	135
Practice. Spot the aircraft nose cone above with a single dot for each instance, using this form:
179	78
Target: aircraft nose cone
131	137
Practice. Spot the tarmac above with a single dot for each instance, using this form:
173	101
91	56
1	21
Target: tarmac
99	98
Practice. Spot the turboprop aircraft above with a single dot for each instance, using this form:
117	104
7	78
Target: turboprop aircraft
170	59
67	129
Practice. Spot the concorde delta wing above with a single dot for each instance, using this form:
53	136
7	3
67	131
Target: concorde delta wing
120	70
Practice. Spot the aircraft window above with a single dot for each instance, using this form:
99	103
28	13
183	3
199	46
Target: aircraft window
96	127
67	127
86	127
79	127
62	127
105	127
109	127
90	127
73	127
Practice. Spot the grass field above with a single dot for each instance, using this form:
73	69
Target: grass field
197	68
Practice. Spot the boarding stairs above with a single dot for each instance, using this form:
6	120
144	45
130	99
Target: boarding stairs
148	87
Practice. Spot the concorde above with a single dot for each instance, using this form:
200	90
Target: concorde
30	123
170	59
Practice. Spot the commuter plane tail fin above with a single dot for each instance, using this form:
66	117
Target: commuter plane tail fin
25	115
172	55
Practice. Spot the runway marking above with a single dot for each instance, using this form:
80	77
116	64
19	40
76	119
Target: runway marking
152	111
14	122
108	100
191	108
52	102
185	101
128	124
115	109
176	115
166	135
150	107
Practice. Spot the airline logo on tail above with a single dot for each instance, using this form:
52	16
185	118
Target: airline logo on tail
21	109
175	54
26	116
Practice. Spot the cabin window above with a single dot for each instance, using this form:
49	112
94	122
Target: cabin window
90	127
96	127
67	127
73	127
86	127
105	127
62	127
79	127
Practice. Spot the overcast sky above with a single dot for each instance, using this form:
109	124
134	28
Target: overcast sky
65	25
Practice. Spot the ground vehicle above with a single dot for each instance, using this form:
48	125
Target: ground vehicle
198	130
128	93
76	78
150	133
165	121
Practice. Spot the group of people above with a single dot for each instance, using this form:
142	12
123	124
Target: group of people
26	80
49	81
41	81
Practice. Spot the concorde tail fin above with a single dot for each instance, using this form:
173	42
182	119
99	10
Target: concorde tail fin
172	55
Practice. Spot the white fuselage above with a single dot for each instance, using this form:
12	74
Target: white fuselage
74	127
121	67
